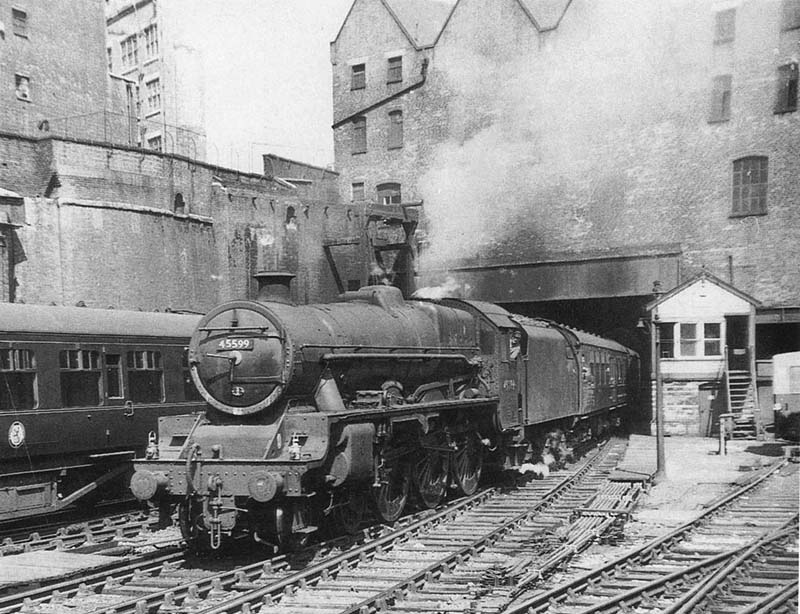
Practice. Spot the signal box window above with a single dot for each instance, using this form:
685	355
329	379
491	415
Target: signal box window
114	383
80	378
358	77
786	100
17	379
750	186
666	335
394	70
145	377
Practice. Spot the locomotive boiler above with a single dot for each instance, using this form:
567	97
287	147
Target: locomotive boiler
316	410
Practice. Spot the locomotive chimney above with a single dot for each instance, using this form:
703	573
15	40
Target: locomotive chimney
274	286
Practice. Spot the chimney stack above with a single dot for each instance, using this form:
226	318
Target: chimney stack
274	286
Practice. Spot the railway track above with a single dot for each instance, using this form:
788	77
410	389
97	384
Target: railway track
659	575
88	536
475	537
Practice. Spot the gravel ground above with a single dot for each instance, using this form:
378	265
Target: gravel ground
696	474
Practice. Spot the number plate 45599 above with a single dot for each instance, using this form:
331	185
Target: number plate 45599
235	343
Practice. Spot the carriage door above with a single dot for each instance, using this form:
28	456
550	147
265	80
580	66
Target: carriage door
512	353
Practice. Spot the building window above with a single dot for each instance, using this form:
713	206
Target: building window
154	95
145	377
394	70
721	99
178	204
151	41
389	194
80	378
786	100
359	77
750	186
395	129
724	26
359	144
17	380
791	14
130	51
109	59
23	87
698	339
154	143
666	340
115	387
19	22
358	191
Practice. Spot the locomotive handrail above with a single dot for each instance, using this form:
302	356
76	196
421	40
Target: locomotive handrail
238	329
391	355
388	349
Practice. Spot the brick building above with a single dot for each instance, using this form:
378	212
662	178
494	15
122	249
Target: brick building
91	213
160	72
571	153
52	67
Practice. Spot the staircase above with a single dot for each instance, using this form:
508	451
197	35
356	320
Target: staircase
741	403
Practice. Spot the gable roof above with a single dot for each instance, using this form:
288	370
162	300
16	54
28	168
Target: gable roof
702	276
545	14
420	20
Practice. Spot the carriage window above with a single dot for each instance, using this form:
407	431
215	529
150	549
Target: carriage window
114	383
190	392
17	379
145	377
80	378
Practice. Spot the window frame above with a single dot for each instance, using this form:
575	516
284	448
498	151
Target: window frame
787	88
20	26
701	337
358	143
19	79
81	366
153	95
724	26
738	193
394	69
395	133
129	51
144	361
151	44
358	76
393	190
358	191
721	98
25	373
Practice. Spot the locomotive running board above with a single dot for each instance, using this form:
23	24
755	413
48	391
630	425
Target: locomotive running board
412	408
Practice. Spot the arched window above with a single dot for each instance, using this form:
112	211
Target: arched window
291	217
389	194
750	186
179	205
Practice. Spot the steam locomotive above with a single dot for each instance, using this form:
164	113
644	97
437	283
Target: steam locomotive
316	411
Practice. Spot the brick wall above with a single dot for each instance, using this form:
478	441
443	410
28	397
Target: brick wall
101	226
